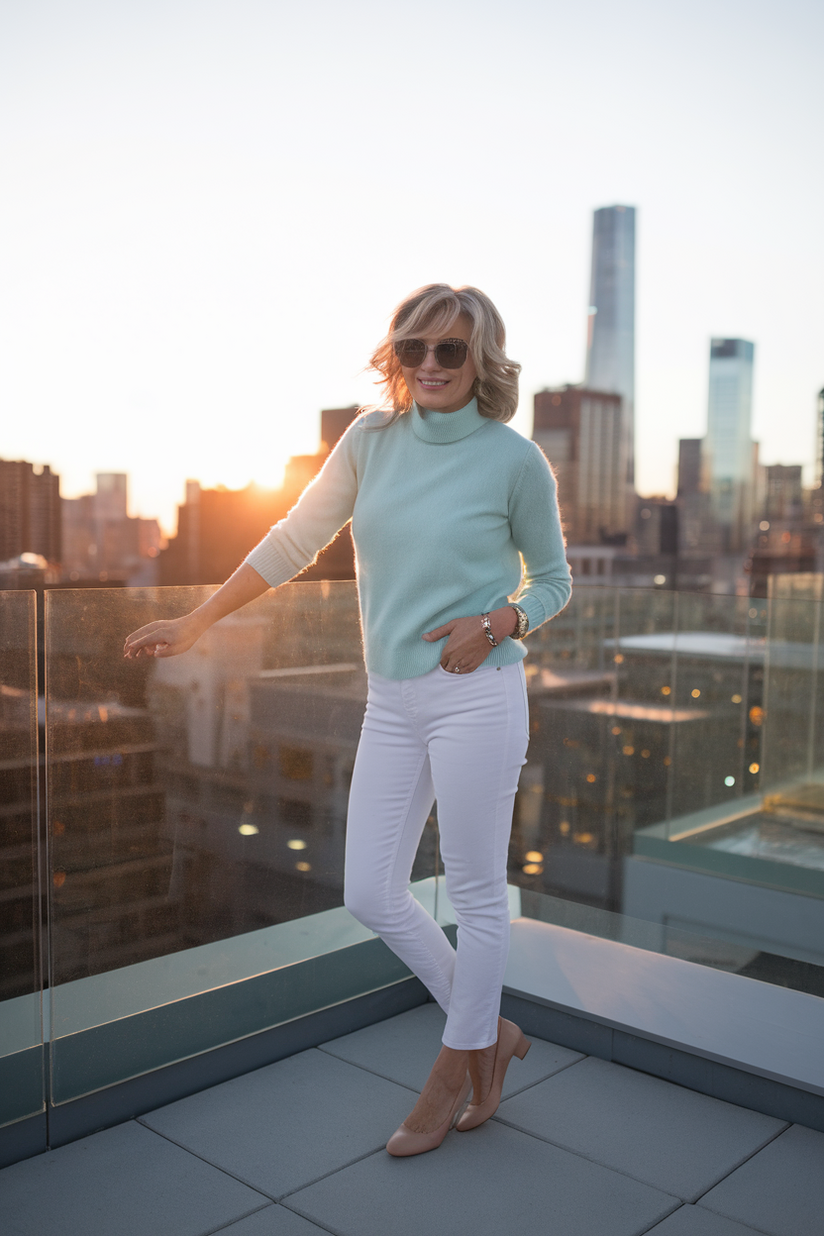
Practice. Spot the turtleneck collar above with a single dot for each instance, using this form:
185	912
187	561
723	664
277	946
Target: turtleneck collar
442	428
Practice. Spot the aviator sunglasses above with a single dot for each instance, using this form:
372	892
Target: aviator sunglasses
449	353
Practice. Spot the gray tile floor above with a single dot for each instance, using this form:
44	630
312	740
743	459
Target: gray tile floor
579	1147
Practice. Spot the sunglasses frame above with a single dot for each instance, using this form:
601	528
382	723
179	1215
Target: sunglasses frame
431	347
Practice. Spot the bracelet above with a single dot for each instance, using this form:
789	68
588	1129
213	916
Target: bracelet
523	622
488	630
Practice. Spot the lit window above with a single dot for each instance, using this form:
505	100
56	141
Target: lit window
296	763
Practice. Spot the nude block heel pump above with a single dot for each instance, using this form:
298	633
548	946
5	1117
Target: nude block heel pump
404	1142
511	1042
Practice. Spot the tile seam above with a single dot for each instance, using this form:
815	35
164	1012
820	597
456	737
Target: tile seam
589	1159
225	1171
655	1222
366	1069
214	1231
763	1146
748	1227
334	1171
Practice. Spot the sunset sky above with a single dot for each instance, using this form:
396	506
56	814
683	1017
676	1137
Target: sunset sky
210	207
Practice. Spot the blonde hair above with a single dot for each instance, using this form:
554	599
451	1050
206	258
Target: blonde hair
432	310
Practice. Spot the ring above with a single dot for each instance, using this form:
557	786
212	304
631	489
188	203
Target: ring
456	669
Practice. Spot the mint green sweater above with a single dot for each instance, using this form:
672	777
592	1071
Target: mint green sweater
443	506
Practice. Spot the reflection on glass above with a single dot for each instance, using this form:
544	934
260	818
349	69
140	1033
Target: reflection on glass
204	796
658	723
21	1084
674	775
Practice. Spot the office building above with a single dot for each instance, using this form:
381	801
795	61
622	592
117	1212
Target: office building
29	511
728	447
581	433
689	466
102	542
216	528
783	498
610	358
333	424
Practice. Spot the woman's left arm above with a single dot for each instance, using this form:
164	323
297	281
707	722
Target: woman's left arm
536	530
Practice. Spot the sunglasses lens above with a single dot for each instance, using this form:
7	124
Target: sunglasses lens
411	352
451	354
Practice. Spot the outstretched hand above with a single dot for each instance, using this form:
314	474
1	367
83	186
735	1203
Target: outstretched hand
163	639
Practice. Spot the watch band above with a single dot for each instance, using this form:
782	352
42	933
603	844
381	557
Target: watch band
523	622
487	626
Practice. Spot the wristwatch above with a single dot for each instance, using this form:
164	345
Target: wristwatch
523	622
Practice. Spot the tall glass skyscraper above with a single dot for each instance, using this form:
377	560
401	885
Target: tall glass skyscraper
728	447
610	364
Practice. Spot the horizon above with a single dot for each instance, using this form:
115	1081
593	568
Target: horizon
215	206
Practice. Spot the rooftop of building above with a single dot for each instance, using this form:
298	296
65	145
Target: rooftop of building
580	1147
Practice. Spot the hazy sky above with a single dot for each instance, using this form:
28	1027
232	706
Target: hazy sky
210	207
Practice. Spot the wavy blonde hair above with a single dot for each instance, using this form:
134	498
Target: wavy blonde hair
432	310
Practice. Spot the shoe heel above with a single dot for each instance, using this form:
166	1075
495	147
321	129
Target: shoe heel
523	1047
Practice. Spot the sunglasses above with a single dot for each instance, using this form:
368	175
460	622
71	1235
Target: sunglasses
449	353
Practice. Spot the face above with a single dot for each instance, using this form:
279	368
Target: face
437	389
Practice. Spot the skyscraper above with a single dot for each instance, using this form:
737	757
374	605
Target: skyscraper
580	433
29	511
610	364
728	447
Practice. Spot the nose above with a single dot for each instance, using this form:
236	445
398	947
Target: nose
429	364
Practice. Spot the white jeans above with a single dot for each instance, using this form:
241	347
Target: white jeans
460	739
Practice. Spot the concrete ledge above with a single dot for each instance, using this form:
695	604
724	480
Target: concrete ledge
747	1042
23	1139
131	1098
22	1085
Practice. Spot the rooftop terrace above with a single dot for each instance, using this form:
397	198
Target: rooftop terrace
579	1147
196	1037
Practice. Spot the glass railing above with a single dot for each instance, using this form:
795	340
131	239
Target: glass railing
21	1034
673	799
674	796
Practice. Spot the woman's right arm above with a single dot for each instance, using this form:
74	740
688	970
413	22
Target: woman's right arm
175	635
323	508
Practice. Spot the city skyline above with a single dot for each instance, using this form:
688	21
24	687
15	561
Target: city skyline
212	216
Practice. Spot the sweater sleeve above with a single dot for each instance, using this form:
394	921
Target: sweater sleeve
319	514
536	530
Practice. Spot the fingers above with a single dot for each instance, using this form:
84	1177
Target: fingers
149	641
455	665
439	632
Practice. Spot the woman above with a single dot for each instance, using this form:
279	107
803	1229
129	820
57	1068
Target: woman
446	502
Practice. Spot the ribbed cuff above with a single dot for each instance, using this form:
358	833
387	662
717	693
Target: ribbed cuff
269	562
